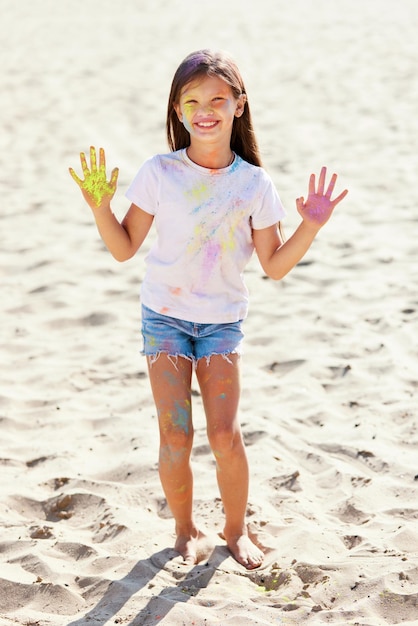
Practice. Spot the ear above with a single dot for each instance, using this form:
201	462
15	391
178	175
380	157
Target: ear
178	111
240	105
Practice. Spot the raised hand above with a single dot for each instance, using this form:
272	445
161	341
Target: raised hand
318	208
95	187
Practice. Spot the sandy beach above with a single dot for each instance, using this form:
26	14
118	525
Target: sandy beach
330	369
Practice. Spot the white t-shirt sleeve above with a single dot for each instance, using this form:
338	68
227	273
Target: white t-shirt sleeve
143	191
270	209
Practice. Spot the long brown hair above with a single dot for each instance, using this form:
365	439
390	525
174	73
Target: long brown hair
211	63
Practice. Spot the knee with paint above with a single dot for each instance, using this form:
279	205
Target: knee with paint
176	427
172	457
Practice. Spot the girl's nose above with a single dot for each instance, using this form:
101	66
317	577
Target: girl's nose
206	109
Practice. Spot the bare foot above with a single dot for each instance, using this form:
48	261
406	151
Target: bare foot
244	550
189	546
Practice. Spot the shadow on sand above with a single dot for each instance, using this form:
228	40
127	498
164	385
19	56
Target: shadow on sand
141	575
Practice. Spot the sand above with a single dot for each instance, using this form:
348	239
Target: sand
330	367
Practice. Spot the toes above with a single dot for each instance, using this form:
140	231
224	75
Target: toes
243	561
246	553
253	563
250	563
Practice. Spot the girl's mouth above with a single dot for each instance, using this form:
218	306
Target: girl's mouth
206	124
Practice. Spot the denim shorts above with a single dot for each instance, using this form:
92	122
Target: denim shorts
175	337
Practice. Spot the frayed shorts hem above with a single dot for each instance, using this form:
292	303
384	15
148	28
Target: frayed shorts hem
173	358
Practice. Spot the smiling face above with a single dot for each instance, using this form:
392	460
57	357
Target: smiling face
207	108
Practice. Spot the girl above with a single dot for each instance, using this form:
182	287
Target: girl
212	204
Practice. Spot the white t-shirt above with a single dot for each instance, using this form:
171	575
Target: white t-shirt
204	220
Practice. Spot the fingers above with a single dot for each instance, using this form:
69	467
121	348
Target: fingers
321	186
300	203
331	185
84	167
114	177
321	183
93	158
75	177
93	162
331	189
340	197
312	185
102	160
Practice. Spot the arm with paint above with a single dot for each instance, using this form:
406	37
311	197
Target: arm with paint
121	239
277	258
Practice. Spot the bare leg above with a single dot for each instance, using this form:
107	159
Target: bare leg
220	387
171	384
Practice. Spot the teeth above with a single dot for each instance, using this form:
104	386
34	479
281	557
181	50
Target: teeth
206	124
